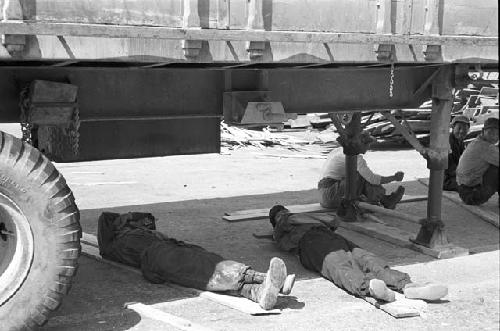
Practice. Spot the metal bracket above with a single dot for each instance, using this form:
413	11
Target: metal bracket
431	234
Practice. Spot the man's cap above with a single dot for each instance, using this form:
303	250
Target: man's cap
367	138
491	123
460	119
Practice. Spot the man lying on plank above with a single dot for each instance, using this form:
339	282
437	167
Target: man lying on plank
351	268
132	239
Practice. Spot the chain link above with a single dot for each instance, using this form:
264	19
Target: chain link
24	120
74	131
391	81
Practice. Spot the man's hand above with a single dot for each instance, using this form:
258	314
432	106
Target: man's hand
398	176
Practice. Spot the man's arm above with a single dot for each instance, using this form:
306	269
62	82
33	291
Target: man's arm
375	179
397	177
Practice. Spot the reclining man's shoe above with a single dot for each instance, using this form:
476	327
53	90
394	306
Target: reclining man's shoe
380	291
428	291
266	294
390	201
288	284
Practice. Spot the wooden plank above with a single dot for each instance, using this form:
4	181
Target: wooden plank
483	214
127	31
159	315
254	214
90	249
390	212
402	238
400	308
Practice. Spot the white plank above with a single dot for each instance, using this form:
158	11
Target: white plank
159	315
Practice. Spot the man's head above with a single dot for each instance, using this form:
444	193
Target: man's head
366	139
273	212
490	130
460	127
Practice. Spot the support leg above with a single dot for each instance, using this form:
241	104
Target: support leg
432	231
350	142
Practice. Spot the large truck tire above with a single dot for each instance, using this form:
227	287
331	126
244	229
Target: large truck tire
40	236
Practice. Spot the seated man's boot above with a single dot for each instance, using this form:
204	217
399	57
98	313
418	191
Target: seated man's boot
266	293
390	201
428	291
380	291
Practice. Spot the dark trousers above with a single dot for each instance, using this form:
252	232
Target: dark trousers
191	266
479	194
450	181
347	266
332	191
163	259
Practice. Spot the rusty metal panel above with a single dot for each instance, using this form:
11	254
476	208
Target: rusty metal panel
122	91
142	138
345	89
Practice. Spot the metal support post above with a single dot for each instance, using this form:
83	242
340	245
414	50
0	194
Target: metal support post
351	146
432	231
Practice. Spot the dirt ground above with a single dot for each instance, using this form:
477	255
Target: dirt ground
190	194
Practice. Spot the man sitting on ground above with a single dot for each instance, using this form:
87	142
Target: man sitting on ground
460	127
477	171
332	184
132	239
351	268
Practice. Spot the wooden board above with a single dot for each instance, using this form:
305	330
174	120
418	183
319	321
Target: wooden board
484	214
402	238
254	214
402	307
90	249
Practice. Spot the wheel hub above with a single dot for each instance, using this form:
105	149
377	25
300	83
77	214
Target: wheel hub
16	248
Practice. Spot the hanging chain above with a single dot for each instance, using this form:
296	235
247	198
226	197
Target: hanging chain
74	131
391	81
24	120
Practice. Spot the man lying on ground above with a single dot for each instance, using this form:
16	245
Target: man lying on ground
351	268
477	171
459	129
132	239
332	184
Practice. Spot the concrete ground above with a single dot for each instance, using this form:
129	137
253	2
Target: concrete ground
189	195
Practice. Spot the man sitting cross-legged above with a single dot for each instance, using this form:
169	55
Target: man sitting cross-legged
132	239
351	268
333	180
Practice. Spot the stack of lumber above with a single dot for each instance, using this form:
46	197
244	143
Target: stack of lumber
478	104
